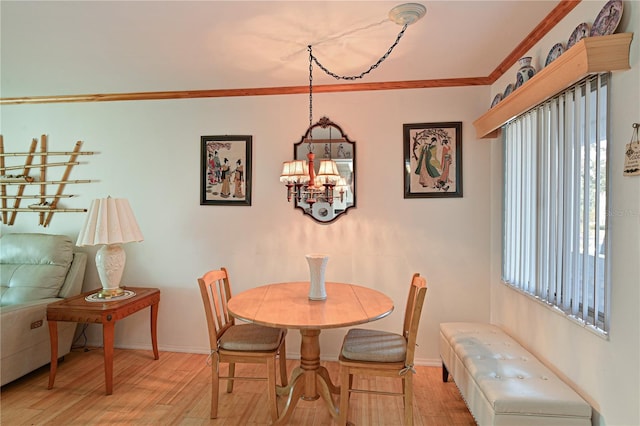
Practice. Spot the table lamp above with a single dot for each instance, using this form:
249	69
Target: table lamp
110	222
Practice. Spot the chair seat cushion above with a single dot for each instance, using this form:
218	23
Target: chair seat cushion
251	337
374	345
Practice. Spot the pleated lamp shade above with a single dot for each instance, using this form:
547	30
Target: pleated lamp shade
109	221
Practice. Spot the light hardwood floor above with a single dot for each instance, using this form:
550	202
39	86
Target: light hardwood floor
176	390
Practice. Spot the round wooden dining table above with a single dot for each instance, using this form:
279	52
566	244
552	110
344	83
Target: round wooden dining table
287	305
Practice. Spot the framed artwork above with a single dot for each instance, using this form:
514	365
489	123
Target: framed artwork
432	160
225	170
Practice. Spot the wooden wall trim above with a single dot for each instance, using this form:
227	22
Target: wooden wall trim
555	16
550	21
264	91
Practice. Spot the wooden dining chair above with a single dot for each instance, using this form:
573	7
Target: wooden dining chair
239	343
380	353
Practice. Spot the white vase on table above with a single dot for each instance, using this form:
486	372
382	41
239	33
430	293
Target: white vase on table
317	267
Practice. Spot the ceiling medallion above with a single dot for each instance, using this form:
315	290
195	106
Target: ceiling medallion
407	13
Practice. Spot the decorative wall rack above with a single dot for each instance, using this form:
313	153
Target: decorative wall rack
19	178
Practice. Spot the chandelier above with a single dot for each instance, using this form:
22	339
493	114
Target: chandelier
299	176
302	182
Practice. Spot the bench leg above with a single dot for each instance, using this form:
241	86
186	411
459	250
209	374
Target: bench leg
445	373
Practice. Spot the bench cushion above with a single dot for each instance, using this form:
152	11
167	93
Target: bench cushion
511	379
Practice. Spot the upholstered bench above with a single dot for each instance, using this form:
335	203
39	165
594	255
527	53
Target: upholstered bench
502	383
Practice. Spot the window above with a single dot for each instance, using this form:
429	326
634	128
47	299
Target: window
555	203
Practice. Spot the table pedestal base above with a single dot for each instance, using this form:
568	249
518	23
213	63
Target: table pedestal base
309	381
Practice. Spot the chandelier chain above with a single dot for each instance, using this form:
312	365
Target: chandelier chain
362	74
309	145
313	59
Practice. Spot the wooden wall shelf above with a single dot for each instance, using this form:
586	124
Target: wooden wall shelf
590	55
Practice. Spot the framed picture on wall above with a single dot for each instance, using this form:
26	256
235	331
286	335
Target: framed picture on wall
432	160
225	170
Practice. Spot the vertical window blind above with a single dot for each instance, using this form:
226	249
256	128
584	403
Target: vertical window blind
555	242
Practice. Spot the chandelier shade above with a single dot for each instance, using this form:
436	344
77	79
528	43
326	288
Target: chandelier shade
328	171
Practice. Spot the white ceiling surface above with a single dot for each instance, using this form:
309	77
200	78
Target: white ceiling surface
87	47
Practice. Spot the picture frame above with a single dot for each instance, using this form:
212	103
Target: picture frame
432	160
225	170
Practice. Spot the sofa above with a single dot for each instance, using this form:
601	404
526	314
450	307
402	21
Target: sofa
35	270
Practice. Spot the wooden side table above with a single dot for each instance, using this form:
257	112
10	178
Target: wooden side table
77	309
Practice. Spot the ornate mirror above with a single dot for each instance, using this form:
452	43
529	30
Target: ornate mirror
330	190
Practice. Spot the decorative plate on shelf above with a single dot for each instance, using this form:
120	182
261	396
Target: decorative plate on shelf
608	19
556	50
507	91
578	34
496	100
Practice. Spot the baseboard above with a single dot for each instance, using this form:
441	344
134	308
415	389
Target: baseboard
423	362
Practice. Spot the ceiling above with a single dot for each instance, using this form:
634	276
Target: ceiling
82	47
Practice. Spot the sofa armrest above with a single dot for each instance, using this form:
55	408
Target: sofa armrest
8	310
24	338
22	324
75	276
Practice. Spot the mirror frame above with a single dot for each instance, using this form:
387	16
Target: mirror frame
324	123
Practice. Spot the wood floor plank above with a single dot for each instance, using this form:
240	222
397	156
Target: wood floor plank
175	390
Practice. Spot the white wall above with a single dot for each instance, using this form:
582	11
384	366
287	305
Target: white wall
606	372
148	152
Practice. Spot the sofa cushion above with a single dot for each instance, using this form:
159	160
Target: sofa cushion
33	266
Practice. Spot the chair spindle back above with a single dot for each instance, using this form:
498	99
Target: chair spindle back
216	292
415	301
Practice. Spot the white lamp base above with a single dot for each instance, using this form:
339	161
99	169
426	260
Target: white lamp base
110	260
